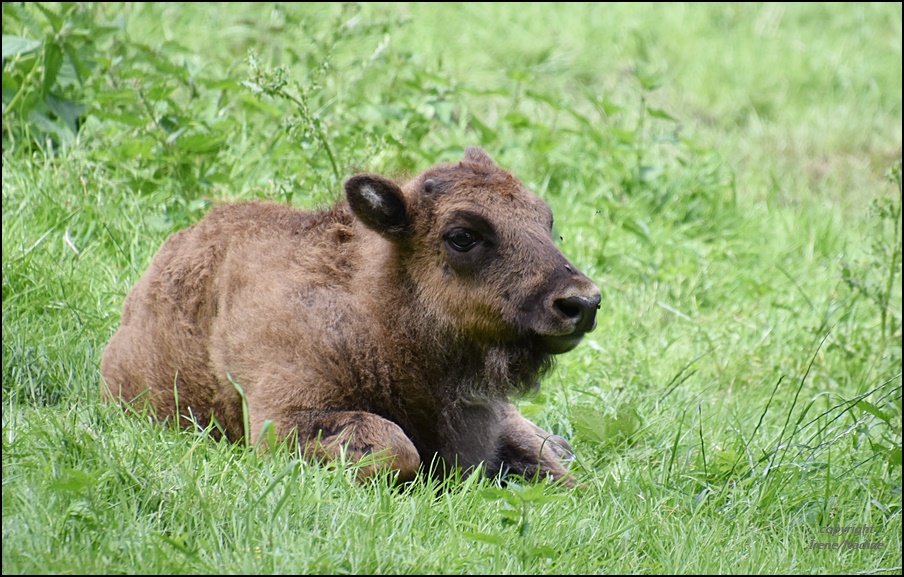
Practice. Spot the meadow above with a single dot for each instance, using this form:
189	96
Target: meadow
728	173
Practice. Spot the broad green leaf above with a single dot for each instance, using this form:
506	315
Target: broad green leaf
517	119
657	113
124	118
53	60
137	148
55	20
10	87
589	423
510	517
200	141
543	551
55	126
82	69
67	111
873	410
497	494
894	457
73	480
595	425
13	45
649	79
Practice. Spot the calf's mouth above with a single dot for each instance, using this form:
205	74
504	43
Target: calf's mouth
578	314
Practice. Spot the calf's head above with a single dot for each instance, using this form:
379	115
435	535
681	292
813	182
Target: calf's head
477	247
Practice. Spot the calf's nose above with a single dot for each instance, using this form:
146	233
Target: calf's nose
580	310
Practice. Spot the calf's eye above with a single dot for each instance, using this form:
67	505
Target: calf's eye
462	240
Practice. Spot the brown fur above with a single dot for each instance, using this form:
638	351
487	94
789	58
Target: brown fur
375	326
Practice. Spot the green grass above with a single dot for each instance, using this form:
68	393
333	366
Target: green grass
725	172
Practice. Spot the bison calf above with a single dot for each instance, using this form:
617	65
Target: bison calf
398	323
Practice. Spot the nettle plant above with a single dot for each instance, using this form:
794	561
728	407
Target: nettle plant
48	60
874	276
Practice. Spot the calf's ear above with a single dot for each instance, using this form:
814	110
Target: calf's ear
477	155
378	203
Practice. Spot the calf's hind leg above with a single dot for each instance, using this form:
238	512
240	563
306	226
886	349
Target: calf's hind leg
325	435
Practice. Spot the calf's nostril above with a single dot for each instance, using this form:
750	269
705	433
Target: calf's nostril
570	307
579	310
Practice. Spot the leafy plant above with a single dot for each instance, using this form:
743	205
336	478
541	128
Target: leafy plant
875	276
49	58
517	502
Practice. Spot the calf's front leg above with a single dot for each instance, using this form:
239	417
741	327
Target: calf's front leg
326	435
527	450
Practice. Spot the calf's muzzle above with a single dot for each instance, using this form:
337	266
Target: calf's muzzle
576	314
581	310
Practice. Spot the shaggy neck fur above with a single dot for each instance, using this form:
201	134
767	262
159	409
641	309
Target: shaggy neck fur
464	369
